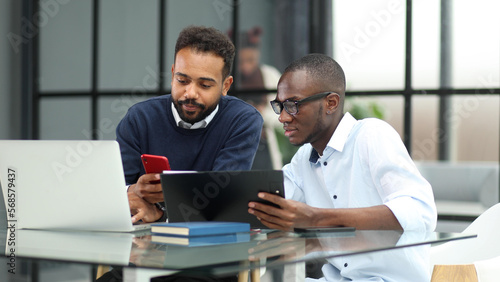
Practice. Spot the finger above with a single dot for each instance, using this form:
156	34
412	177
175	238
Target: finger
151	187
138	216
133	200
149	190
154	197
265	208
273	225
149	177
259	214
272	220
275	199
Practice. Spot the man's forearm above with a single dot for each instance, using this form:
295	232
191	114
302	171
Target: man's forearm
370	218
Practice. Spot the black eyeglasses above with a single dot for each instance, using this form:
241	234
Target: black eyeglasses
292	107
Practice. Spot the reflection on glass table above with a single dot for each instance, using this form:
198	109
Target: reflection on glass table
388	254
392	255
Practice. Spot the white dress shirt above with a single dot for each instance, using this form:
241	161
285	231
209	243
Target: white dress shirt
200	124
406	264
364	164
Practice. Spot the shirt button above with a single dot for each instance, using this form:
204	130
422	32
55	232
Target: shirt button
345	264
325	163
335	196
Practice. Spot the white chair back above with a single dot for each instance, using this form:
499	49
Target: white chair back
485	246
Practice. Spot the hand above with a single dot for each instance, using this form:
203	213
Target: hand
142	210
292	213
148	188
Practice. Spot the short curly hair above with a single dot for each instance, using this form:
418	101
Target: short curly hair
207	39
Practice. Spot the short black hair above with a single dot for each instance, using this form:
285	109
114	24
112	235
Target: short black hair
207	39
323	69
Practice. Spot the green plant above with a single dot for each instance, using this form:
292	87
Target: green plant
363	109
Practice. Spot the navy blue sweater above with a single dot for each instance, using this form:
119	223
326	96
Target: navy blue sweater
229	142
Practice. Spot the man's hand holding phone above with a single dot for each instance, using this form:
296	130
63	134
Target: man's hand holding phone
148	185
147	191
148	188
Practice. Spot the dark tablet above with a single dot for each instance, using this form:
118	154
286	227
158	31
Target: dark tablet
217	195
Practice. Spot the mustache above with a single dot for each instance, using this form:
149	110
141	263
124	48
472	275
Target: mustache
191	102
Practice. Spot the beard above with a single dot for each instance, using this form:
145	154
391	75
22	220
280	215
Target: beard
189	116
318	129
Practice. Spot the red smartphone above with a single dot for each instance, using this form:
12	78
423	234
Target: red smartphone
154	163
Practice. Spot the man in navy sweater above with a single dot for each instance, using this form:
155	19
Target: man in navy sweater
197	127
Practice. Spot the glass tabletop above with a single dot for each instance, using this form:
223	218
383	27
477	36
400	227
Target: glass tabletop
265	248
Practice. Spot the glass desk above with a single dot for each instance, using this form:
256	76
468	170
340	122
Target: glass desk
265	249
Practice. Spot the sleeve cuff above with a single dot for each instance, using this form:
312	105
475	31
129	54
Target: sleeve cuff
412	215
163	218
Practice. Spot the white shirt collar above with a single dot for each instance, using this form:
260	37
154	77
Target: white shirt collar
200	124
339	137
342	131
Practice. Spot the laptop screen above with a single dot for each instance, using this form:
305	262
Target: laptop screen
65	184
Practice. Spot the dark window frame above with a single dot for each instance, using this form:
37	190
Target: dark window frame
319	15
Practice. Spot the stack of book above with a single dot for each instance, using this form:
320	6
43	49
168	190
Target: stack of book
200	233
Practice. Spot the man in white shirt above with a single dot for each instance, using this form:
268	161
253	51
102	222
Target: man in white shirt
347	172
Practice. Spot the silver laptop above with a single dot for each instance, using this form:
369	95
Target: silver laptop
65	185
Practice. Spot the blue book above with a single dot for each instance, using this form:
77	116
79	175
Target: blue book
198	241
199	228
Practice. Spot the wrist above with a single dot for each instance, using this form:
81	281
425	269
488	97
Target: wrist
161	213
130	188
324	218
